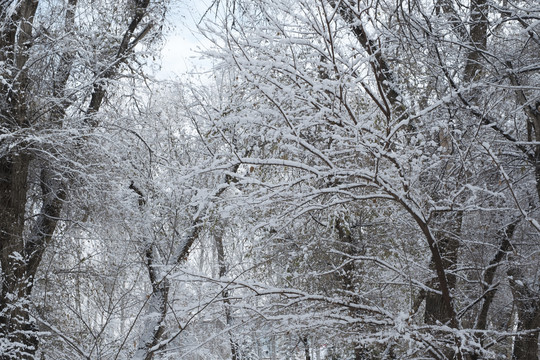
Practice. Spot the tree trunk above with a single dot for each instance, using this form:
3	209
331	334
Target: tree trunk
307	353
527	302
436	309
22	248
478	39
218	238
448	243
352	246
22	253
19	340
17	333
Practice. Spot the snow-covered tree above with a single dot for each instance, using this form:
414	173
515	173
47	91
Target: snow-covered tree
357	179
57	60
420	114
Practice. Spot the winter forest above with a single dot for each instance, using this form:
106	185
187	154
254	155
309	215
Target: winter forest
350	179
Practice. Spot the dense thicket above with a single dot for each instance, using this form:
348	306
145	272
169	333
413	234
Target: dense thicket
58	59
392	150
353	180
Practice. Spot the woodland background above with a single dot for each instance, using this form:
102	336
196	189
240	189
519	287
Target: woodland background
352	179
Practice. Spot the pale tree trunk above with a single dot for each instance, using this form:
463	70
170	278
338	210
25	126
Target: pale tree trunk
157	303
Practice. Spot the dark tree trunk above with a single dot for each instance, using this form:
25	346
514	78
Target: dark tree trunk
527	302
305	342
222	264
526	347
15	326
17	332
448	242
21	253
478	39
352	246
22	247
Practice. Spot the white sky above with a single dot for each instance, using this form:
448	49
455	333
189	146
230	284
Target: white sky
179	55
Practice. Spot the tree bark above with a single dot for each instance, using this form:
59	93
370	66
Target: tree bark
157	308
353	247
22	246
489	275
478	39
527	302
305	342
448	243
15	326
16	330
218	238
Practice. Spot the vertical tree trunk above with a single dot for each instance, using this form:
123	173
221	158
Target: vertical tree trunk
17	333
478	39
21	255
349	276
156	312
489	289
22	248
15	328
218	238
307	352
448	242
527	302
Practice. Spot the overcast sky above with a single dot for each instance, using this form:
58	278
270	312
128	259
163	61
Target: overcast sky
179	54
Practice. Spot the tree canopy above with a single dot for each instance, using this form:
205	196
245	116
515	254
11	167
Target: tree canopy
351	180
